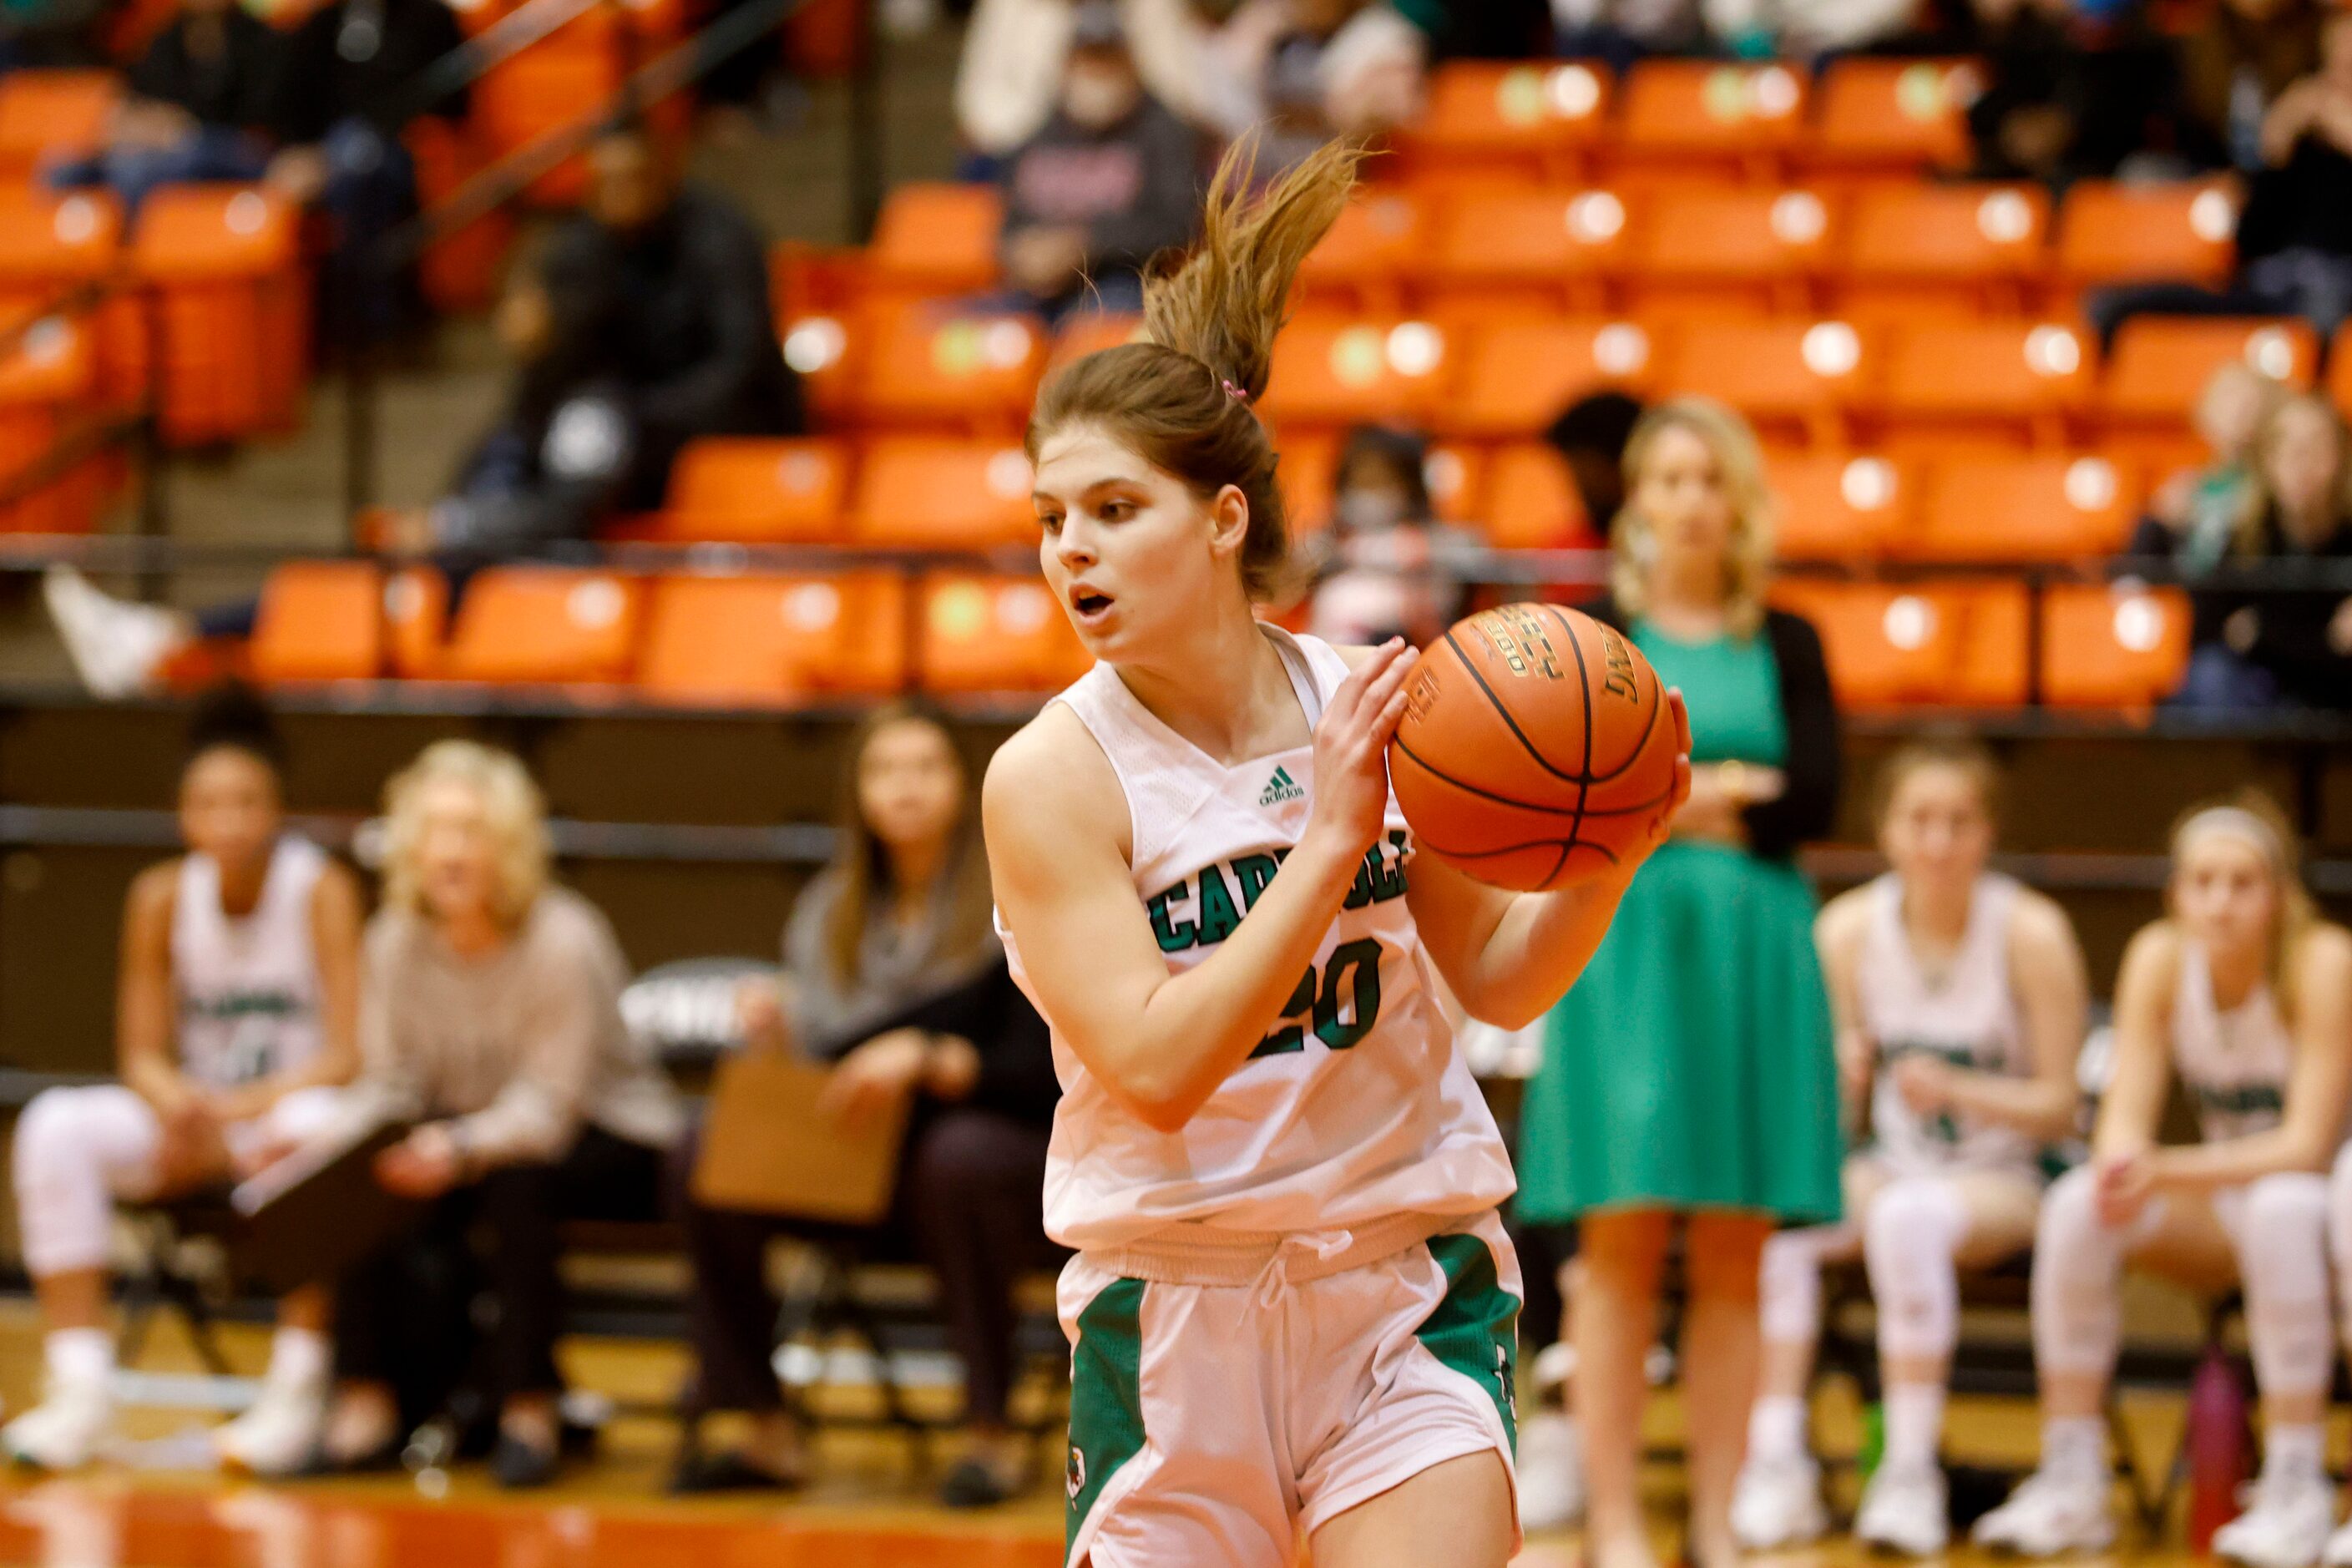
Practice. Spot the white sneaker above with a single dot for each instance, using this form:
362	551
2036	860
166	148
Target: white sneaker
64	1431
1552	1472
2052	1513
1778	1504
2288	1526
116	646
1905	1509
2338	1550
280	1432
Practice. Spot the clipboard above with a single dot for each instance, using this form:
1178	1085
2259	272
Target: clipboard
767	1149
314	1215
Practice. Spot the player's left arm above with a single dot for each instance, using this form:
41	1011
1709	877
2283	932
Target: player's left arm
1509	957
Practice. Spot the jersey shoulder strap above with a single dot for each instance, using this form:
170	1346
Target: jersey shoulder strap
1165	781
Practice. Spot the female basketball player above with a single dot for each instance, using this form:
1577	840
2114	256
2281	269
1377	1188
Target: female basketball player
235	1011
1960	1000
2247	996
1292	1307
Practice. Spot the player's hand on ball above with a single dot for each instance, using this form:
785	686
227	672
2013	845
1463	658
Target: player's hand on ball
1351	766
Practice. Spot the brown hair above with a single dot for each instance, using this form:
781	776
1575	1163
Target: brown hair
2263	497
964	898
1182	398
2297	914
1740	467
1968	757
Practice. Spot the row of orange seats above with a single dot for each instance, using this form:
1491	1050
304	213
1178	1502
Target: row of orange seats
755	638
1882	250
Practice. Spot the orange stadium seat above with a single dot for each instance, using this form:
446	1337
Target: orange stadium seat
460	271
2016	380
1363	261
1531	501
1307	469
1530	120
2030	509
48	115
319	620
996	634
1893	116
755	490
48	384
941	366
766	638
2112	647
1711	116
1517	375
1455	476
1795	377
1332	370
545	626
2114	233
556	81
1835	506
52	245
923	492
1925	644
1979	247
232	310
2160	364
937	237
416	622
1545	249
1090	332
826	349
1711	250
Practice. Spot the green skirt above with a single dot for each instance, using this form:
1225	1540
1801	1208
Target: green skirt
1691	1067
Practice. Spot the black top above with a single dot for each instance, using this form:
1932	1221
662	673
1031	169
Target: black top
2303	203
1015	1046
1815	765
2290	624
233	84
1133	187
361	58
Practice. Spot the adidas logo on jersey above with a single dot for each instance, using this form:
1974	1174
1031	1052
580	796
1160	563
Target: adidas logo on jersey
1279	788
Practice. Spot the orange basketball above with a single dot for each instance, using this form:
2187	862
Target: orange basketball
1537	747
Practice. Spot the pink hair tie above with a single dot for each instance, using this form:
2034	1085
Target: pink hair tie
1235	393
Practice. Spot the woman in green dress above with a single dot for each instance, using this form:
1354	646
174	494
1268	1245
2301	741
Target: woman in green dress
1689	1075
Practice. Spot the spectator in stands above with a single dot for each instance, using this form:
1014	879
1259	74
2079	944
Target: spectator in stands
2196	514
1387	568
1621	31
892	969
1110	180
1707	981
1013	77
2245	997
1807	29
198	107
2237	62
2273	622
2078	93
234	1015
354	78
1960	1002
1300	72
491	1019
1591	435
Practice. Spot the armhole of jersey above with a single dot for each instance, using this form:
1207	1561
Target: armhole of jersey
1137	850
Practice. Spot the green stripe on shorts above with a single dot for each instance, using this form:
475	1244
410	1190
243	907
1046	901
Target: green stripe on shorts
1475	1329
1106	1395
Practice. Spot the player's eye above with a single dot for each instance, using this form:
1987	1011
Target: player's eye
1116	510
1051	521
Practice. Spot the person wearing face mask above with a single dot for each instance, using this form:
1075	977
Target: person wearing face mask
1387	568
1111	180
1688	1080
490	1018
892	972
2260	641
2245	998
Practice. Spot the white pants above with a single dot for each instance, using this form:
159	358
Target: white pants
79	1151
2278	1226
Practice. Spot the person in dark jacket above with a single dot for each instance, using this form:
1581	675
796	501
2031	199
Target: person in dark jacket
1689	1075
199	102
1111	181
2076	90
893	971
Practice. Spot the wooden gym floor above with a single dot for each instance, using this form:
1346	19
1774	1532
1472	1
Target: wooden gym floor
868	1507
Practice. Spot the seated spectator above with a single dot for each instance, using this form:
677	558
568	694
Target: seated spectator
1300	72
1012	77
1388	567
2193	517
491	1018
234	1015
1592	434
2236	64
893	970
1111	180
2260	642
198	106
647	325
1620	32
2076	93
1807	29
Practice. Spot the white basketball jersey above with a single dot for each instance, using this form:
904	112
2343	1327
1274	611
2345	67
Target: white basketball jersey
1355	1107
249	988
2234	1063
1969	1018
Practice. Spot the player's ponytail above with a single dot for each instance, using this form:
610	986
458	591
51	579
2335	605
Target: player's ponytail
1182	399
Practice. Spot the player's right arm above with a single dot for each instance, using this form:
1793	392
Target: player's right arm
144	1035
1056	820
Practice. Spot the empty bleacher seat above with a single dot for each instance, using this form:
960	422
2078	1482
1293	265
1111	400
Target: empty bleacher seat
1799	377
1531	501
49	115
825	348
1837	506
941	365
772	638
49	387
928	493
1943	644
935	237
1333	371
1530	120
1893	116
545	626
2110	232
981	633
1702	116
1546	247
2024	509
320	621
2014	380
1364	260
2122	646
1517	375
2160	364
1090	332
1974	247
758	490
1758	245
232	308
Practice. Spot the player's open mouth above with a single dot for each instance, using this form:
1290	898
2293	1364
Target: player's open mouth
1090	607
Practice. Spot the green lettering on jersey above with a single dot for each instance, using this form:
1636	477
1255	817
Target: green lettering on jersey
1175	935
1218	916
